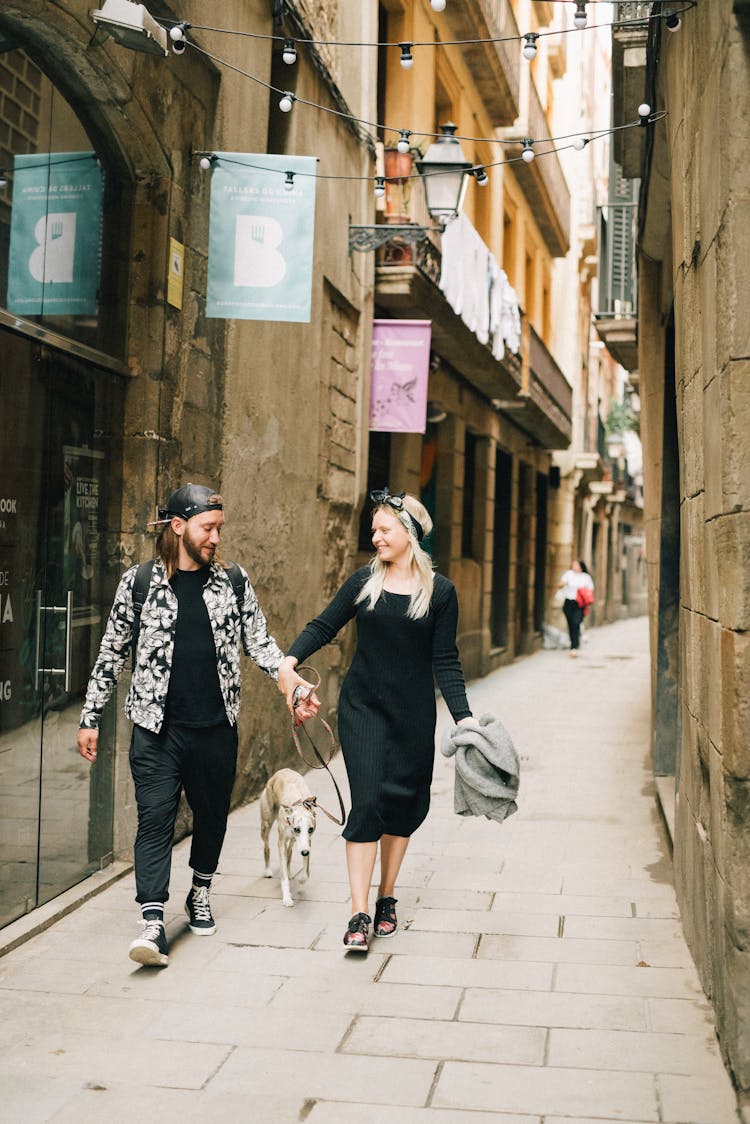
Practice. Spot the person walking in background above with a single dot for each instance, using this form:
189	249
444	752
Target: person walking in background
406	638
573	582
196	613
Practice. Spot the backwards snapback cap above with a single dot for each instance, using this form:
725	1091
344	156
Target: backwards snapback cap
192	499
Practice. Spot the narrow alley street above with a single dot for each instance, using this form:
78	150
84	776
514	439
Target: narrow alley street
539	972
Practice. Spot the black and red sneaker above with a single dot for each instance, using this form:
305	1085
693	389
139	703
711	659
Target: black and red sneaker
386	921
355	937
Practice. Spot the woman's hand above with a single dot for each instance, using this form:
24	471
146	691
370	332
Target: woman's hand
291	684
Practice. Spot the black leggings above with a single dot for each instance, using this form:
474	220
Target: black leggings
574	616
201	760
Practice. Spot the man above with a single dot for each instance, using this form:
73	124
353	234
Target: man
184	700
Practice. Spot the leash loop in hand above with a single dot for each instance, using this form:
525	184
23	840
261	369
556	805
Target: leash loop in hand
323	764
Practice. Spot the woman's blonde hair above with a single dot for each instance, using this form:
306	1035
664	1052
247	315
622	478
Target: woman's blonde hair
421	562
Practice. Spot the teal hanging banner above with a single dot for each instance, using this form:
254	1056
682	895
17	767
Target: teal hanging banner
55	234
260	243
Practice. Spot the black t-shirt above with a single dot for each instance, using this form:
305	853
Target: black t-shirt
194	697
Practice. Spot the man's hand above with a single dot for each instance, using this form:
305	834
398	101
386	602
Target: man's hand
87	743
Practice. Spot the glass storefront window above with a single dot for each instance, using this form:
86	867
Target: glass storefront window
58	264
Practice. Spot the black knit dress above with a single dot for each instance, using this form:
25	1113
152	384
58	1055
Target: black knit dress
387	703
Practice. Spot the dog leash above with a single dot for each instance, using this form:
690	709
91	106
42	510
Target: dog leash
299	694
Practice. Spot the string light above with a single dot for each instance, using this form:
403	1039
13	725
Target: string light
672	20
287	101
177	35
208	159
403	144
644	112
439	5
289	54
407	58
529	45
579	19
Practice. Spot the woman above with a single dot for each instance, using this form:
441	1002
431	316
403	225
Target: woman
577	577
406	631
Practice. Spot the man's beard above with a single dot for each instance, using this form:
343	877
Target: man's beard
194	551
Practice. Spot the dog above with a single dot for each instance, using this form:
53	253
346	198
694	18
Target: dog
288	801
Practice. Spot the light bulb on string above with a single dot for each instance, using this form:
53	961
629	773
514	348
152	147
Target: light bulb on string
286	103
407	58
437	5
528	153
177	33
404	144
672	20
644	112
481	176
580	143
289	182
289	54
379	189
529	45
579	19
206	162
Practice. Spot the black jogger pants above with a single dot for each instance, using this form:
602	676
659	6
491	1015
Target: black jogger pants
201	760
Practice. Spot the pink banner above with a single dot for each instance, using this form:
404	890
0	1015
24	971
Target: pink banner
400	372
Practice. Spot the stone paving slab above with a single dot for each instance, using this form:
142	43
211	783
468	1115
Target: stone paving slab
696	1055
420	1038
383	1081
670	983
551	1009
299	996
543	1090
556	950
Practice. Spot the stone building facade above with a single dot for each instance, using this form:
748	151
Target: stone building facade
692	361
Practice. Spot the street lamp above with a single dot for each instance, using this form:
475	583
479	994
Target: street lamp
131	25
444	171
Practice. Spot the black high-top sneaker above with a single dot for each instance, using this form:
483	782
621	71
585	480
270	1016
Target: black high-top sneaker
151	947
198	910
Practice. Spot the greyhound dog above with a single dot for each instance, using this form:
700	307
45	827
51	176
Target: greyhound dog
287	800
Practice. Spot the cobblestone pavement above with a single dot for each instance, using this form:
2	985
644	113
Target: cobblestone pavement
539	973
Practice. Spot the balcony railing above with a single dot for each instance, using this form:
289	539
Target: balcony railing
495	67
550	397
544	184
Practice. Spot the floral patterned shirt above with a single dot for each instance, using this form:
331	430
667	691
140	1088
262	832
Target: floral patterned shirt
150	680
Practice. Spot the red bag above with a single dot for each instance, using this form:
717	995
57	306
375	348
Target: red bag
585	597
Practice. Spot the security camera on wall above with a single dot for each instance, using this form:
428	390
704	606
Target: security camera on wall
132	26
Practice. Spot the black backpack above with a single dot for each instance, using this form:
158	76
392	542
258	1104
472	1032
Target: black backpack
141	587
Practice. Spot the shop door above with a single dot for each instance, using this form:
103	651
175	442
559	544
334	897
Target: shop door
60	473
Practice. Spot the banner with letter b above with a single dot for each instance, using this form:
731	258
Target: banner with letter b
261	236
